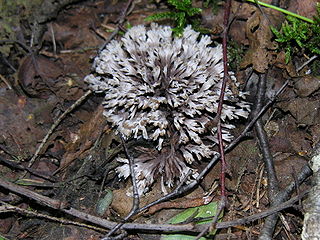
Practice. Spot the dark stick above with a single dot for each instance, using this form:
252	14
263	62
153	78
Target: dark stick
261	215
135	204
270	222
61	206
64	207
121	20
273	185
263	140
14	165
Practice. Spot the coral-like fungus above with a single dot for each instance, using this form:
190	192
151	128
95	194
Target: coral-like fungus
165	90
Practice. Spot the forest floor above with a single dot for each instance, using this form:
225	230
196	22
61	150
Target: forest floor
76	163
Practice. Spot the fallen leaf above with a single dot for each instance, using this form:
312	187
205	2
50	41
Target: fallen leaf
306	85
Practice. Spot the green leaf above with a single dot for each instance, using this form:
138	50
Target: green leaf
30	182
181	5
182	15
297	35
3	238
193	11
205	211
162	16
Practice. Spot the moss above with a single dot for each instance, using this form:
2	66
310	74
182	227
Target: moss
235	55
12	14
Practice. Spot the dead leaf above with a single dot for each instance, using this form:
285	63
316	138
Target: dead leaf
290	139
305	8
287	166
37	74
22	122
87	135
259	35
306	85
304	110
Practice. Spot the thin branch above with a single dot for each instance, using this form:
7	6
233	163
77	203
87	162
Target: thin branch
124	13
135	204
63	207
226	78
14	165
273	185
21	44
264	214
56	124
270	222
306	63
6	82
263	141
5	207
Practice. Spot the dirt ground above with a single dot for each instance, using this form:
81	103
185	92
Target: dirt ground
76	163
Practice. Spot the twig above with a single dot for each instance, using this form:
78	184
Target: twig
273	185
6	62
14	165
226	78
58	205
6	81
263	141
21	44
270	222
5	207
64	207
135	204
55	125
53	40
121	20
55	204
261	215
306	63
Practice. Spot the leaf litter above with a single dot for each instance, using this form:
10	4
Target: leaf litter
82	149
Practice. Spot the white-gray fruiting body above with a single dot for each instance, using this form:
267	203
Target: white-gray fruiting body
165	89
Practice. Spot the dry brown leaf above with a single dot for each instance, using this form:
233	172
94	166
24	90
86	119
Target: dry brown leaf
85	138
305	8
37	74
260	44
306	85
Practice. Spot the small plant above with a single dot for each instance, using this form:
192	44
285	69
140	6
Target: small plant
235	55
296	35
183	14
213	4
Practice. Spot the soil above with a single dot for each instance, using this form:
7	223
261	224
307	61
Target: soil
78	159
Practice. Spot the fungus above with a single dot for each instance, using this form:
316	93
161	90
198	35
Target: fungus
165	90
